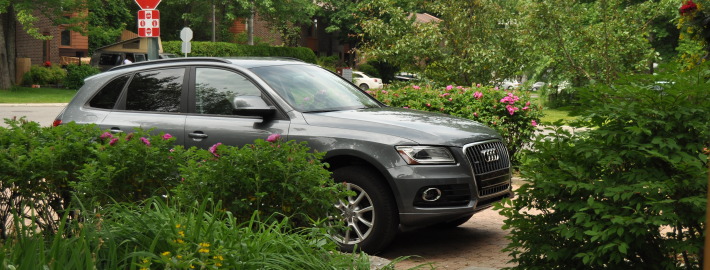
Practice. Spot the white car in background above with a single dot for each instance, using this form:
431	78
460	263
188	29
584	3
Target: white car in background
365	82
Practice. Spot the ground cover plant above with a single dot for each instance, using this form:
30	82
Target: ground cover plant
510	112
628	193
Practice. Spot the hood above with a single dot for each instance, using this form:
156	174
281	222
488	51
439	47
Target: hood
423	128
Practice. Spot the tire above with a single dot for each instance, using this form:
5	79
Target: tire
454	223
364	86
369	218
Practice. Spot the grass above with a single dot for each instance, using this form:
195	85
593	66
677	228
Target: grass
36	95
552	115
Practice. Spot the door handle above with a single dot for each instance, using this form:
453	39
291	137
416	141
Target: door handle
198	135
115	130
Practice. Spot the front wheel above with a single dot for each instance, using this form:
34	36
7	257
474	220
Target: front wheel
369	216
364	86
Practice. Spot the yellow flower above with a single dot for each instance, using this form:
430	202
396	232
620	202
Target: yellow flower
218	264
145	260
204	245
167	253
179	256
178	226
143	268
218	257
192	266
181	233
179	241
203	250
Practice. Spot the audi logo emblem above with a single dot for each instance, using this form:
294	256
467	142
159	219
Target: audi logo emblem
490	155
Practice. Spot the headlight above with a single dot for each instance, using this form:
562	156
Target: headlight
414	155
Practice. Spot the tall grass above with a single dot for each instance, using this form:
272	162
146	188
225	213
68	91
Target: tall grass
158	235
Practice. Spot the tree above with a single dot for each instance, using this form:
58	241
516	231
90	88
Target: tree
288	17
23	12
107	18
476	41
590	41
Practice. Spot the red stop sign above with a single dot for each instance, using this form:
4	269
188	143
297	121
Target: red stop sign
148	4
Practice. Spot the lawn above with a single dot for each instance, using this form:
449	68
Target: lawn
552	115
36	95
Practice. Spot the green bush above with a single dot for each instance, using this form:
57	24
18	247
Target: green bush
369	69
508	112
37	166
128	168
44	75
225	49
628	193
267	177
76	75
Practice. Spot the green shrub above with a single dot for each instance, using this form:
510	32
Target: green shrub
369	69
267	177
128	168
44	75
225	49
508	112
37	166
76	75
630	192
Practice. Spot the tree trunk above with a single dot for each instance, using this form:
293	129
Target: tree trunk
6	74
250	25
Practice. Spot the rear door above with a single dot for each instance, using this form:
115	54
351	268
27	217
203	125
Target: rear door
153	99
212	120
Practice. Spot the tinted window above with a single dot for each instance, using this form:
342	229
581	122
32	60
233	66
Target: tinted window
156	90
109	59
106	97
217	88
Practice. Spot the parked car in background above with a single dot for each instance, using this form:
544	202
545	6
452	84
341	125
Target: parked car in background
404	167
105	60
406	76
365	82
537	85
510	84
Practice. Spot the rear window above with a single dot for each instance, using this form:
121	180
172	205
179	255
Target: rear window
109	59
108	95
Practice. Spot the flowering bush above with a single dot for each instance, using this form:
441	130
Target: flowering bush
509	112
268	177
129	168
694	39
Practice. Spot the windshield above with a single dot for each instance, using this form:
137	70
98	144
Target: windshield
312	89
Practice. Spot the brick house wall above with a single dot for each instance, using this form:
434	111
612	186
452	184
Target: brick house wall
51	50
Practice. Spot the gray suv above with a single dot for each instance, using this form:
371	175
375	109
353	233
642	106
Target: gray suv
407	168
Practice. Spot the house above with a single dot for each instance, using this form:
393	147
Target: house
64	44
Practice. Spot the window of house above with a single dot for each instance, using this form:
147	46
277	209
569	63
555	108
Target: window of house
66	38
156	90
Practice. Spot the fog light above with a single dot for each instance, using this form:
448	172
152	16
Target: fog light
431	195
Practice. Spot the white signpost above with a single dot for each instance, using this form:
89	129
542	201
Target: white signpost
186	36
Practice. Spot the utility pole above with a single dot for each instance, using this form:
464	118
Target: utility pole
213	22
250	25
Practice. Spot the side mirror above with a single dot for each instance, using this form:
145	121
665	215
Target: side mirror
252	106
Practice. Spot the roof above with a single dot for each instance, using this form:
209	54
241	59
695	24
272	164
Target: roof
426	18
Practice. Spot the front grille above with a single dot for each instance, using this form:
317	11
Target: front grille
491	166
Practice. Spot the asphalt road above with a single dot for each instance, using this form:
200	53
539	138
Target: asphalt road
43	113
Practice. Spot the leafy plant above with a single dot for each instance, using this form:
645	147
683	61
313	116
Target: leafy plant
128	168
266	177
627	193
76	75
508	112
44	75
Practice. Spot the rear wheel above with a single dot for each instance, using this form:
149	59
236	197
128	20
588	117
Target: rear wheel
369	216
364	86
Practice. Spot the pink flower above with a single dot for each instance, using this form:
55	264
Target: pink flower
451	99
510	99
444	94
449	87
406	107
106	135
511	109
415	87
368	92
533	123
478	95
525	108
496	88
478	85
459	87
273	137
384	91
113	141
129	136
527	103
213	149
475	114
167	136
428	105
145	141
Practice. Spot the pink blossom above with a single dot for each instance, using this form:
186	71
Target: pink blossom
113	141
527	103
167	136
478	95
384	91
415	87
369	92
496	88
459	87
273	137
511	109
451	99
213	149
533	123
525	108
444	94
106	135
129	136
475	114
510	99
449	87
428	105
145	141
406	107
478	85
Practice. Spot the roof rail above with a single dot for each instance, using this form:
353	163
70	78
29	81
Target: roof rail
171	60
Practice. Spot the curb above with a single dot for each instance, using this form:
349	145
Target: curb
33	104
